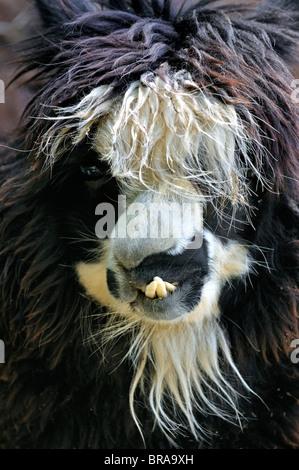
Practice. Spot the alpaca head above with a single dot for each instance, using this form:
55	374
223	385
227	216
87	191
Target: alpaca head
164	131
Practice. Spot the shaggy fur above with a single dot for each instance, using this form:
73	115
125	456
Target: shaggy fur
185	103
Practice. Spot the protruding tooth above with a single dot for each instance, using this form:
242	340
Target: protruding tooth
158	288
161	290
150	290
170	287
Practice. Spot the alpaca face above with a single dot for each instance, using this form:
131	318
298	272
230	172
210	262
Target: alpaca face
161	272
172	153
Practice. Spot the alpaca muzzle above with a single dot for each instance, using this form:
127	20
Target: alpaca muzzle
149	268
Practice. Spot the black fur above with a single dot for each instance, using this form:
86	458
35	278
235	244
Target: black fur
56	392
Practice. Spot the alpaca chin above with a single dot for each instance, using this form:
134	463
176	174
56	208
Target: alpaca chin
178	370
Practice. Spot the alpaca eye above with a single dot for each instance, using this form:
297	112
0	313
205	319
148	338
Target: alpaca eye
91	173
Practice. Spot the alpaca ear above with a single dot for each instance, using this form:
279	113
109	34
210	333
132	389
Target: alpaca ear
53	12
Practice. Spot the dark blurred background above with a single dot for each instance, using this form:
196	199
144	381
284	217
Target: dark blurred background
17	21
14	25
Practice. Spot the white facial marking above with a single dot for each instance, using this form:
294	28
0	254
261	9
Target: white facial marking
163	133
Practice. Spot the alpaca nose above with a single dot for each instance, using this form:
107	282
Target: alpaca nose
150	247
129	254
152	226
138	262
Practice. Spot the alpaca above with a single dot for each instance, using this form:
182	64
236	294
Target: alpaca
148	229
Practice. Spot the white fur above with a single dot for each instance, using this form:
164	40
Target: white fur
160	134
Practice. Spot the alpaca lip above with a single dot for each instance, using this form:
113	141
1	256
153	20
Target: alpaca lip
178	303
156	309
